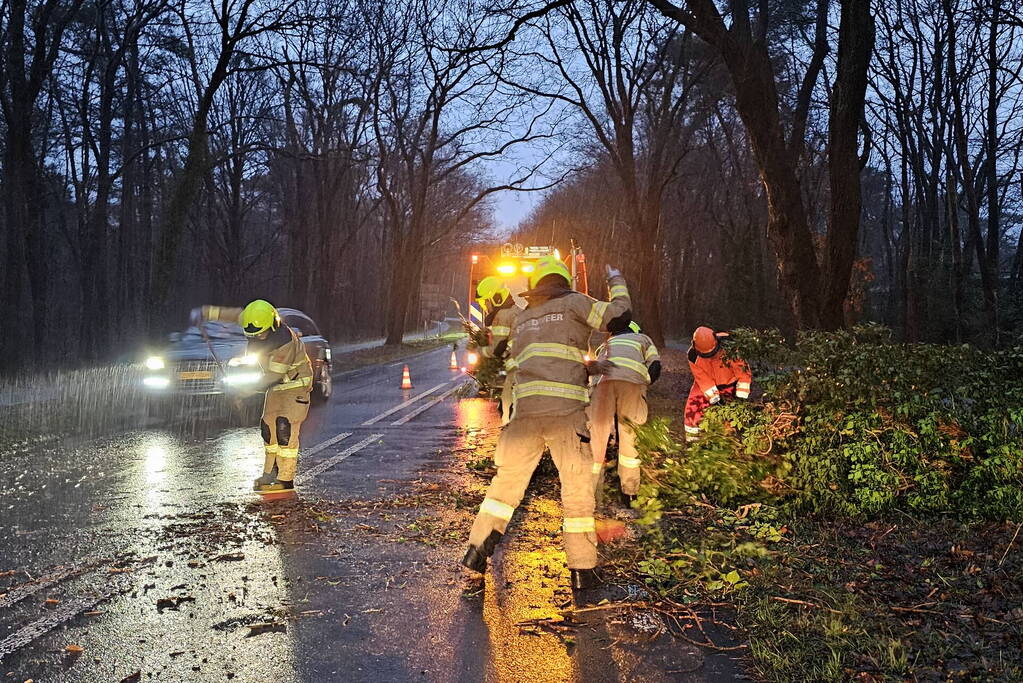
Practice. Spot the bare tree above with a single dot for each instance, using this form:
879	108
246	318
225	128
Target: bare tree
439	114
629	74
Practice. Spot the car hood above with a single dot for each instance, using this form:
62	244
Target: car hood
191	346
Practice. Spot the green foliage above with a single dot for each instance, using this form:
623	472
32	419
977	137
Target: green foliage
854	424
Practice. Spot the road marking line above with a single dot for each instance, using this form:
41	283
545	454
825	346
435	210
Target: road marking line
65	612
402	406
326	444
322	467
424	408
19	593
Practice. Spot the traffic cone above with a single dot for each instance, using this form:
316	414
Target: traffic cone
454	360
406	380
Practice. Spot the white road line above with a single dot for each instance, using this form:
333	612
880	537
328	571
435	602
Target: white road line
326	444
322	467
402	406
422	409
66	612
19	593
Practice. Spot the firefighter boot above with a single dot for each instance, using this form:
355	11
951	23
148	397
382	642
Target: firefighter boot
583	579
277	487
476	557
265	479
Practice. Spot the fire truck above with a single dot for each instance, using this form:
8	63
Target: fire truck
514	264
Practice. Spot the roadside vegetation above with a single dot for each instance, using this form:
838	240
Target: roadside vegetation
861	516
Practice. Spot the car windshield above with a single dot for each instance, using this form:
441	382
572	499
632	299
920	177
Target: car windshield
214	330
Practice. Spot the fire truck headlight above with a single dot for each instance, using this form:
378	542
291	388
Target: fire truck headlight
557	254
472	358
506	269
527	268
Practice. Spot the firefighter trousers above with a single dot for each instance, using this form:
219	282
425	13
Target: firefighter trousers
519	449
627	400
283	415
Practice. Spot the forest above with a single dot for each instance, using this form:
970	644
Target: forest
785	163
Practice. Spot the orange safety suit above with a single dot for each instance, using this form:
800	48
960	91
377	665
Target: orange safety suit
714	378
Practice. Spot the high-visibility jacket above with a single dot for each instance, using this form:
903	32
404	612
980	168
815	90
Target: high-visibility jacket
500	329
712	370
282	355
631	353
548	344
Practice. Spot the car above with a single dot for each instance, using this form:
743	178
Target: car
218	364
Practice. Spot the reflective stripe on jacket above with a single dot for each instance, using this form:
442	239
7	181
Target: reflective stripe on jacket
632	353
500	329
547	347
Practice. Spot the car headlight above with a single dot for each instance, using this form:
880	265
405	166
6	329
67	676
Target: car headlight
155	363
247	359
156	382
243	378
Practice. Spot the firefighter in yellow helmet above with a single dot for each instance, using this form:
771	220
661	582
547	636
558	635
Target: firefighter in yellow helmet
287	379
621	391
548	342
500	310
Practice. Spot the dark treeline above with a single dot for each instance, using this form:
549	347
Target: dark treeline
158	154
798	163
938	251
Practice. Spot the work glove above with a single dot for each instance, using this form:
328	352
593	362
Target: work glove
598	367
195	317
714	401
613	272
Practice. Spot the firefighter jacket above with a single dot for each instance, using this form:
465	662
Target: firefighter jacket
282	355
712	370
500	329
548	344
631	355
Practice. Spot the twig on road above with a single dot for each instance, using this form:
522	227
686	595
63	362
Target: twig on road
1010	544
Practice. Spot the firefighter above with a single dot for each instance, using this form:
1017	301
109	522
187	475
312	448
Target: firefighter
714	377
287	378
548	341
495	298
621	390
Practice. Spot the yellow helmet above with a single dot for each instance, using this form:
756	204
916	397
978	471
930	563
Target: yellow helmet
546	266
259	317
492	289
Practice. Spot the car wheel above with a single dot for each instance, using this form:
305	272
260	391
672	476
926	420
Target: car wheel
324	386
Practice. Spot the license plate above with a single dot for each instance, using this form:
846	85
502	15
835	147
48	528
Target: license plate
196	374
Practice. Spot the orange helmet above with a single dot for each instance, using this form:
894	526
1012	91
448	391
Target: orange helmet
704	340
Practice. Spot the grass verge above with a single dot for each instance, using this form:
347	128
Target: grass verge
829	597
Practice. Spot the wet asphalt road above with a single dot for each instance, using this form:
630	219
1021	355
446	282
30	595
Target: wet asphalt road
149	552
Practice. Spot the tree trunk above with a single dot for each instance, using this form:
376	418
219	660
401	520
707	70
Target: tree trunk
855	46
787	226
